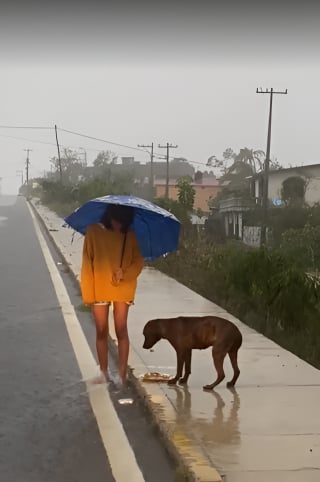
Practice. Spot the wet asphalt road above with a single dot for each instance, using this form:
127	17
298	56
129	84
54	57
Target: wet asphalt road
47	429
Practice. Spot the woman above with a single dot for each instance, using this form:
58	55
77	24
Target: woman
111	264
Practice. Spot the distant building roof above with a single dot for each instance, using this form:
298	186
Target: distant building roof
292	168
206	182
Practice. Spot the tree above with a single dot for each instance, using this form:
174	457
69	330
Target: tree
228	158
104	158
72	166
252	157
275	164
186	193
173	207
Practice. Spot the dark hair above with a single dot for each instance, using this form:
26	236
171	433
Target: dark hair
122	214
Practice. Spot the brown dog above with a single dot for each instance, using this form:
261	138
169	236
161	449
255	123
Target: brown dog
188	332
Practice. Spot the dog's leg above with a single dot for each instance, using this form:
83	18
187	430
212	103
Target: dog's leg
180	364
187	367
233	355
218	358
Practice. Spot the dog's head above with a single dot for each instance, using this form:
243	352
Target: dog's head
152	333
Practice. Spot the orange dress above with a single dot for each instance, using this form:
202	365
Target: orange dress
101	258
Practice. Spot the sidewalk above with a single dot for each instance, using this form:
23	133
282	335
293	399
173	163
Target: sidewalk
268	430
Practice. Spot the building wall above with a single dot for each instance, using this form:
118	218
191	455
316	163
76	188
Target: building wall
202	195
252	236
311	174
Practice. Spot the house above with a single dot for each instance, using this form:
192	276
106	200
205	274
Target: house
206	188
233	206
232	209
236	199
310	174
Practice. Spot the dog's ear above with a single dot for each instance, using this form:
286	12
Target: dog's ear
151	326
161	327
155	326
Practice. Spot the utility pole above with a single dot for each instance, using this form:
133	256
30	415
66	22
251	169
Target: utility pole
151	166
265	192
168	147
27	164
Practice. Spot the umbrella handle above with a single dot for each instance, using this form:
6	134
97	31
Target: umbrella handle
123	248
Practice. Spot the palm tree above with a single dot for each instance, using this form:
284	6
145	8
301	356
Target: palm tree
252	157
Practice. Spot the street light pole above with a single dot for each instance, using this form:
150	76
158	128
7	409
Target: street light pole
265	192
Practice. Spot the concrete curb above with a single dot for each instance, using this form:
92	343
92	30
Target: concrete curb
193	462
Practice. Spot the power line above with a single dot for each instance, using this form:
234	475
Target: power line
171	158
203	164
74	133
155	155
101	140
26	139
26	127
36	141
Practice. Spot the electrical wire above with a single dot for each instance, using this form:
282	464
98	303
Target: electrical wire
26	127
157	156
74	133
48	143
29	140
101	140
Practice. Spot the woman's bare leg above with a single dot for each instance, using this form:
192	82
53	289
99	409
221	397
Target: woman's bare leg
101	314
120	324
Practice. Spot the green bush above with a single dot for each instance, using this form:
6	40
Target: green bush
64	198
303	245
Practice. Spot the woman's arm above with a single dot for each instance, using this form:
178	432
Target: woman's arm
132	272
87	273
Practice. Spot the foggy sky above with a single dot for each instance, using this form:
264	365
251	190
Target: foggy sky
172	31
183	72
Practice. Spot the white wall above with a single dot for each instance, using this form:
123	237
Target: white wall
310	174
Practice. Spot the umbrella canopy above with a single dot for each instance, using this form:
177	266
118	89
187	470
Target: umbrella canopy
156	229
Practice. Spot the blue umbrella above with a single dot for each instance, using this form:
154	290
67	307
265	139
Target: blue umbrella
156	229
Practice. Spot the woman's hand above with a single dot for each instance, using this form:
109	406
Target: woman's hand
117	276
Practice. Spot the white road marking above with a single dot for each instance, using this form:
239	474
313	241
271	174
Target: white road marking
119	452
